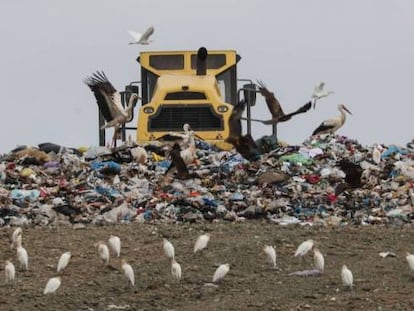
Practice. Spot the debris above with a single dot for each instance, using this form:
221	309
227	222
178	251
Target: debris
329	181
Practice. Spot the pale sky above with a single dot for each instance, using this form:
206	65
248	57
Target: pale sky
362	49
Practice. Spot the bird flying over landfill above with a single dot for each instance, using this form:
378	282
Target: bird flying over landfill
319	93
275	108
332	125
109	102
141	38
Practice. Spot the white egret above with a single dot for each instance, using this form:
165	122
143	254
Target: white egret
115	244
304	248
176	270
319	93
129	272
16	235
52	285
201	242
221	272
168	249
141	38
9	271
23	257
410	261
318	260
103	252
347	277
63	261
271	254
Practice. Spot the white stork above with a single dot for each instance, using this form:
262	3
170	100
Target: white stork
109	102
141	38
319	93
181	138
332	125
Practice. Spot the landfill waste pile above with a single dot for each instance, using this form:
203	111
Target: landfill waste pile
329	181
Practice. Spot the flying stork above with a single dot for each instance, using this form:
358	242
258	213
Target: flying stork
319	93
141	38
109	102
275	109
332	125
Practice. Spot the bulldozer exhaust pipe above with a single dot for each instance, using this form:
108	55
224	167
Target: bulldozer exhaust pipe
201	66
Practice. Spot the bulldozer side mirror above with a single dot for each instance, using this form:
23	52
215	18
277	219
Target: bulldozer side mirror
249	93
129	89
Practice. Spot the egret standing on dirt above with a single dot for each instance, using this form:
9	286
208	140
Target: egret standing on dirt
168	249
271	254
109	103
115	244
52	285
129	272
304	248
318	260
16	235
347	277
410	261
221	272
63	261
23	257
332	125
176	270
201	242
9	271
103	252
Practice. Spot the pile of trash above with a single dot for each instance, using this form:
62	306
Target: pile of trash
330	181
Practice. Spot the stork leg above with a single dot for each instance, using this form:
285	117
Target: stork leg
314	104
115	137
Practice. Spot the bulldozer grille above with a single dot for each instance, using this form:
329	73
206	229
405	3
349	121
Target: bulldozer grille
201	117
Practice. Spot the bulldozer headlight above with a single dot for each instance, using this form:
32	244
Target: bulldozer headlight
222	108
148	110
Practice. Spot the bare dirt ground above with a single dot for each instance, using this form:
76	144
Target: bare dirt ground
380	283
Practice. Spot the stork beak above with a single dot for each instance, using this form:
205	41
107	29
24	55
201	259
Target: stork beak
199	137
346	109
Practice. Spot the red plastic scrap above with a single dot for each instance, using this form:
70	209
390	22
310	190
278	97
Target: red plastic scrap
312	179
332	197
